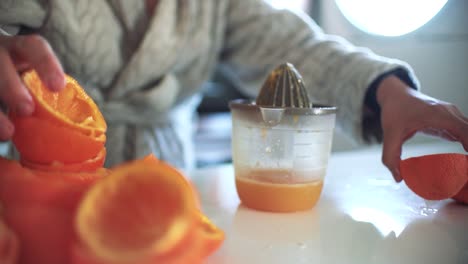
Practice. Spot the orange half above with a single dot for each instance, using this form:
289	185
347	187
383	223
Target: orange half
90	165
436	176
139	211
211	236
71	107
202	241
65	127
42	141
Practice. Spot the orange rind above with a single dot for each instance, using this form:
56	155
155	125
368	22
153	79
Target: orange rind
65	127
436	176
65	207
139	211
90	165
71	107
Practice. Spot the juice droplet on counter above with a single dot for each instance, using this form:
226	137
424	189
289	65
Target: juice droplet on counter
429	208
428	211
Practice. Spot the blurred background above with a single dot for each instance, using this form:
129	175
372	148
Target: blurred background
431	35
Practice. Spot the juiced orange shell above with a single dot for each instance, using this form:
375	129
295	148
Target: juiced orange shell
437	176
65	127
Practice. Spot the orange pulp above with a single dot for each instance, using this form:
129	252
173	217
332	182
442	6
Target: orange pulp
277	191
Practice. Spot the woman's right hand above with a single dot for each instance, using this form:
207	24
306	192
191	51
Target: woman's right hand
17	54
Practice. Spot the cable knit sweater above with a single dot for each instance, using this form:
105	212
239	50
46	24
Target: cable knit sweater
145	72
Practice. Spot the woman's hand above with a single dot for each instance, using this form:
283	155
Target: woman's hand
405	111
19	53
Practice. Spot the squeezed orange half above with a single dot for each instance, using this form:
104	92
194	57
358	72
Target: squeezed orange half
277	191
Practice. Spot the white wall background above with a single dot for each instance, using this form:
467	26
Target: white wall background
438	52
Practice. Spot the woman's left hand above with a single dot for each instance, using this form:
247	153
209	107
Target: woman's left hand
405	111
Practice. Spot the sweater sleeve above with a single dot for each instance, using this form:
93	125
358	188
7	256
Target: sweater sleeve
260	37
15	14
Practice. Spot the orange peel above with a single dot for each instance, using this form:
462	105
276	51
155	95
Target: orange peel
436	176
71	107
140	210
65	127
90	165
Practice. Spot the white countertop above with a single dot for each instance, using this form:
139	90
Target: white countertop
363	216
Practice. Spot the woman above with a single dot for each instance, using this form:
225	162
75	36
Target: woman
145	61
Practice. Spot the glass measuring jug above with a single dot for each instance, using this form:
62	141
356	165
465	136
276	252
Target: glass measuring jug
280	155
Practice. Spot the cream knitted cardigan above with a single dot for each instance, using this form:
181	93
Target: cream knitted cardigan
144	72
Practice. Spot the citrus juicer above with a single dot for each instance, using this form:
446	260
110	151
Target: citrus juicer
279	141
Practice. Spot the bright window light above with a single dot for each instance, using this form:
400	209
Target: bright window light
382	221
295	5
389	17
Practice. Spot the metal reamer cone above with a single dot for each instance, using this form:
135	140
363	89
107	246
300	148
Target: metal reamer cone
284	87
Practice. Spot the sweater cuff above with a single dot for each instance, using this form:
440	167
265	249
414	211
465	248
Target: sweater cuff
372	129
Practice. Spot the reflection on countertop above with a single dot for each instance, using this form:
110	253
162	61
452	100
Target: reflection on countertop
362	217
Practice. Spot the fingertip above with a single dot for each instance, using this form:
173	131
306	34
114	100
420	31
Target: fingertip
55	81
396	175
391	161
6	130
25	108
464	142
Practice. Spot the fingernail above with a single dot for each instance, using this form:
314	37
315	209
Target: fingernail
396	175
25	108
